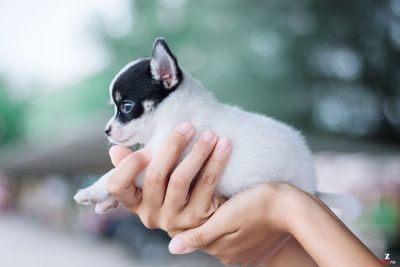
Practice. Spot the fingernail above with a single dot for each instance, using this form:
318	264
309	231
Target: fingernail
207	137
184	128
223	144
177	246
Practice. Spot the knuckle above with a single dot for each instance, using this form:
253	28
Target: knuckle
149	224
187	220
208	178
210	211
216	202
168	225
196	214
148	221
195	219
178	181
214	165
114	186
153	175
198	240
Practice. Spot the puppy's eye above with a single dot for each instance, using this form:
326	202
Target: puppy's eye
126	106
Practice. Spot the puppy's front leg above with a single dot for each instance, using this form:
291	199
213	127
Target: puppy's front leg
97	194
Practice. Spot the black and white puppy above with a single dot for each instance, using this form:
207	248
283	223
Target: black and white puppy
153	95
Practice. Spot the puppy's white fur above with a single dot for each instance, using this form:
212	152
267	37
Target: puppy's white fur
263	148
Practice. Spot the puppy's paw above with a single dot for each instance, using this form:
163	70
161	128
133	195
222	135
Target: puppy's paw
105	205
83	197
91	195
95	193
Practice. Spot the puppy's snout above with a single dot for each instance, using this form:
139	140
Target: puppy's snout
108	130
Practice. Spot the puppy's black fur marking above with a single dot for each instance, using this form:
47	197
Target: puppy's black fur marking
137	84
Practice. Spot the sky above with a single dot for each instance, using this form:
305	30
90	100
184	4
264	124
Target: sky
49	41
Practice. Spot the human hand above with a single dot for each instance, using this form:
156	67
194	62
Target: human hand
168	201
249	228
252	227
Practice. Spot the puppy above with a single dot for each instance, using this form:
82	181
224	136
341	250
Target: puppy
153	95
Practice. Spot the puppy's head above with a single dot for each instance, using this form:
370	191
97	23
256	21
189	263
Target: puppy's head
137	90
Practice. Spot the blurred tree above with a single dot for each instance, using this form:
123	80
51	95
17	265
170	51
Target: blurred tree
326	67
354	68
11	117
329	68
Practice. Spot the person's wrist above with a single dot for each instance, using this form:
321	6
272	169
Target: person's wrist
299	205
285	205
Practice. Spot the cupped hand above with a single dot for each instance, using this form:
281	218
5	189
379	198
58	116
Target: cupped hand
248	229
173	198
274	224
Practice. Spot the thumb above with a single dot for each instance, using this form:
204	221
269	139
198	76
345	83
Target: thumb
200	237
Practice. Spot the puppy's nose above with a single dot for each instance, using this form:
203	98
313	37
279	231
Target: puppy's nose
108	130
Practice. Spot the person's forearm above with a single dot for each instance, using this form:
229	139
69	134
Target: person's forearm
325	238
290	255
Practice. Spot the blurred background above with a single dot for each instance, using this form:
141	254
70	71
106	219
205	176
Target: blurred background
329	68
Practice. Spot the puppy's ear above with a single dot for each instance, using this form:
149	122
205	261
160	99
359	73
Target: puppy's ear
164	66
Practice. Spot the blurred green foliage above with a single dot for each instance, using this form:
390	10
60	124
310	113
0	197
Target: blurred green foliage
11	116
329	68
385	217
70	106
